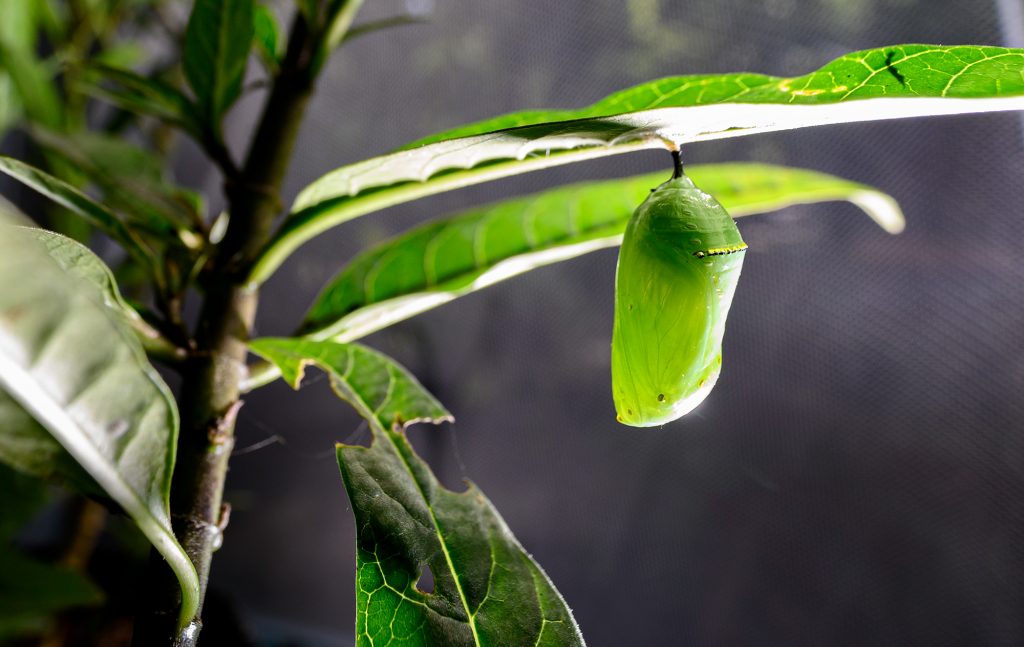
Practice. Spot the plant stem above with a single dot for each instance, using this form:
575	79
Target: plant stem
209	399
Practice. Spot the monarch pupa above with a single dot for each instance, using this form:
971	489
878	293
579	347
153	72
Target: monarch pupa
678	266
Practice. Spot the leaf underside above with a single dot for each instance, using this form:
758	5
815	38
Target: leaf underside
487	589
448	258
884	83
69	358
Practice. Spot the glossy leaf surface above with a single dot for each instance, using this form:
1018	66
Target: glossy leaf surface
448	258
487	589
884	83
68	358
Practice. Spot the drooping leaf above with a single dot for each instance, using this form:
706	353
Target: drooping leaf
445	259
353	368
130	177
143	95
68	358
487	589
217	42
74	200
884	83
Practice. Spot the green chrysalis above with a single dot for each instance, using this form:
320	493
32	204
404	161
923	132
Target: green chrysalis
678	266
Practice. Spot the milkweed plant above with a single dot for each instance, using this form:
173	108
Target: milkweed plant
82	403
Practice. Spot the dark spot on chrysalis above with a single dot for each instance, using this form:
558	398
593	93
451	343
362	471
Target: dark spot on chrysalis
631	306
661	397
629	411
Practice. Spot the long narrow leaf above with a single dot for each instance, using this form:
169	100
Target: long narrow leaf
71	198
884	83
487	589
449	258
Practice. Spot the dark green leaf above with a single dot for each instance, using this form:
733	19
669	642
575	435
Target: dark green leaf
144	96
30	591
21	497
130	177
451	257
217	42
928	80
487	589
68	358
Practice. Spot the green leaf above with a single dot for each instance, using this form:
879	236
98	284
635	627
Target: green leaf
448	258
217	42
130	177
267	32
353	369
77	202
340	14
67	357
487	589
34	85
10	104
885	83
143	95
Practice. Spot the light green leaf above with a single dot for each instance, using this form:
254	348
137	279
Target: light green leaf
353	369
67	358
217	42
34	85
487	589
340	14
451	257
74	200
885	83
10	104
267	34
19	20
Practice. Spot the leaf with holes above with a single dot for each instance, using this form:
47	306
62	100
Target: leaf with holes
884	83
68	358
487	589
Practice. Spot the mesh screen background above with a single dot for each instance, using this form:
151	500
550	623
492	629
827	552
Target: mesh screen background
856	477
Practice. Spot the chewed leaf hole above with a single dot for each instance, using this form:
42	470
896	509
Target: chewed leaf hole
426	582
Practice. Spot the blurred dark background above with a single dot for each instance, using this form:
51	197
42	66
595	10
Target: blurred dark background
856	477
